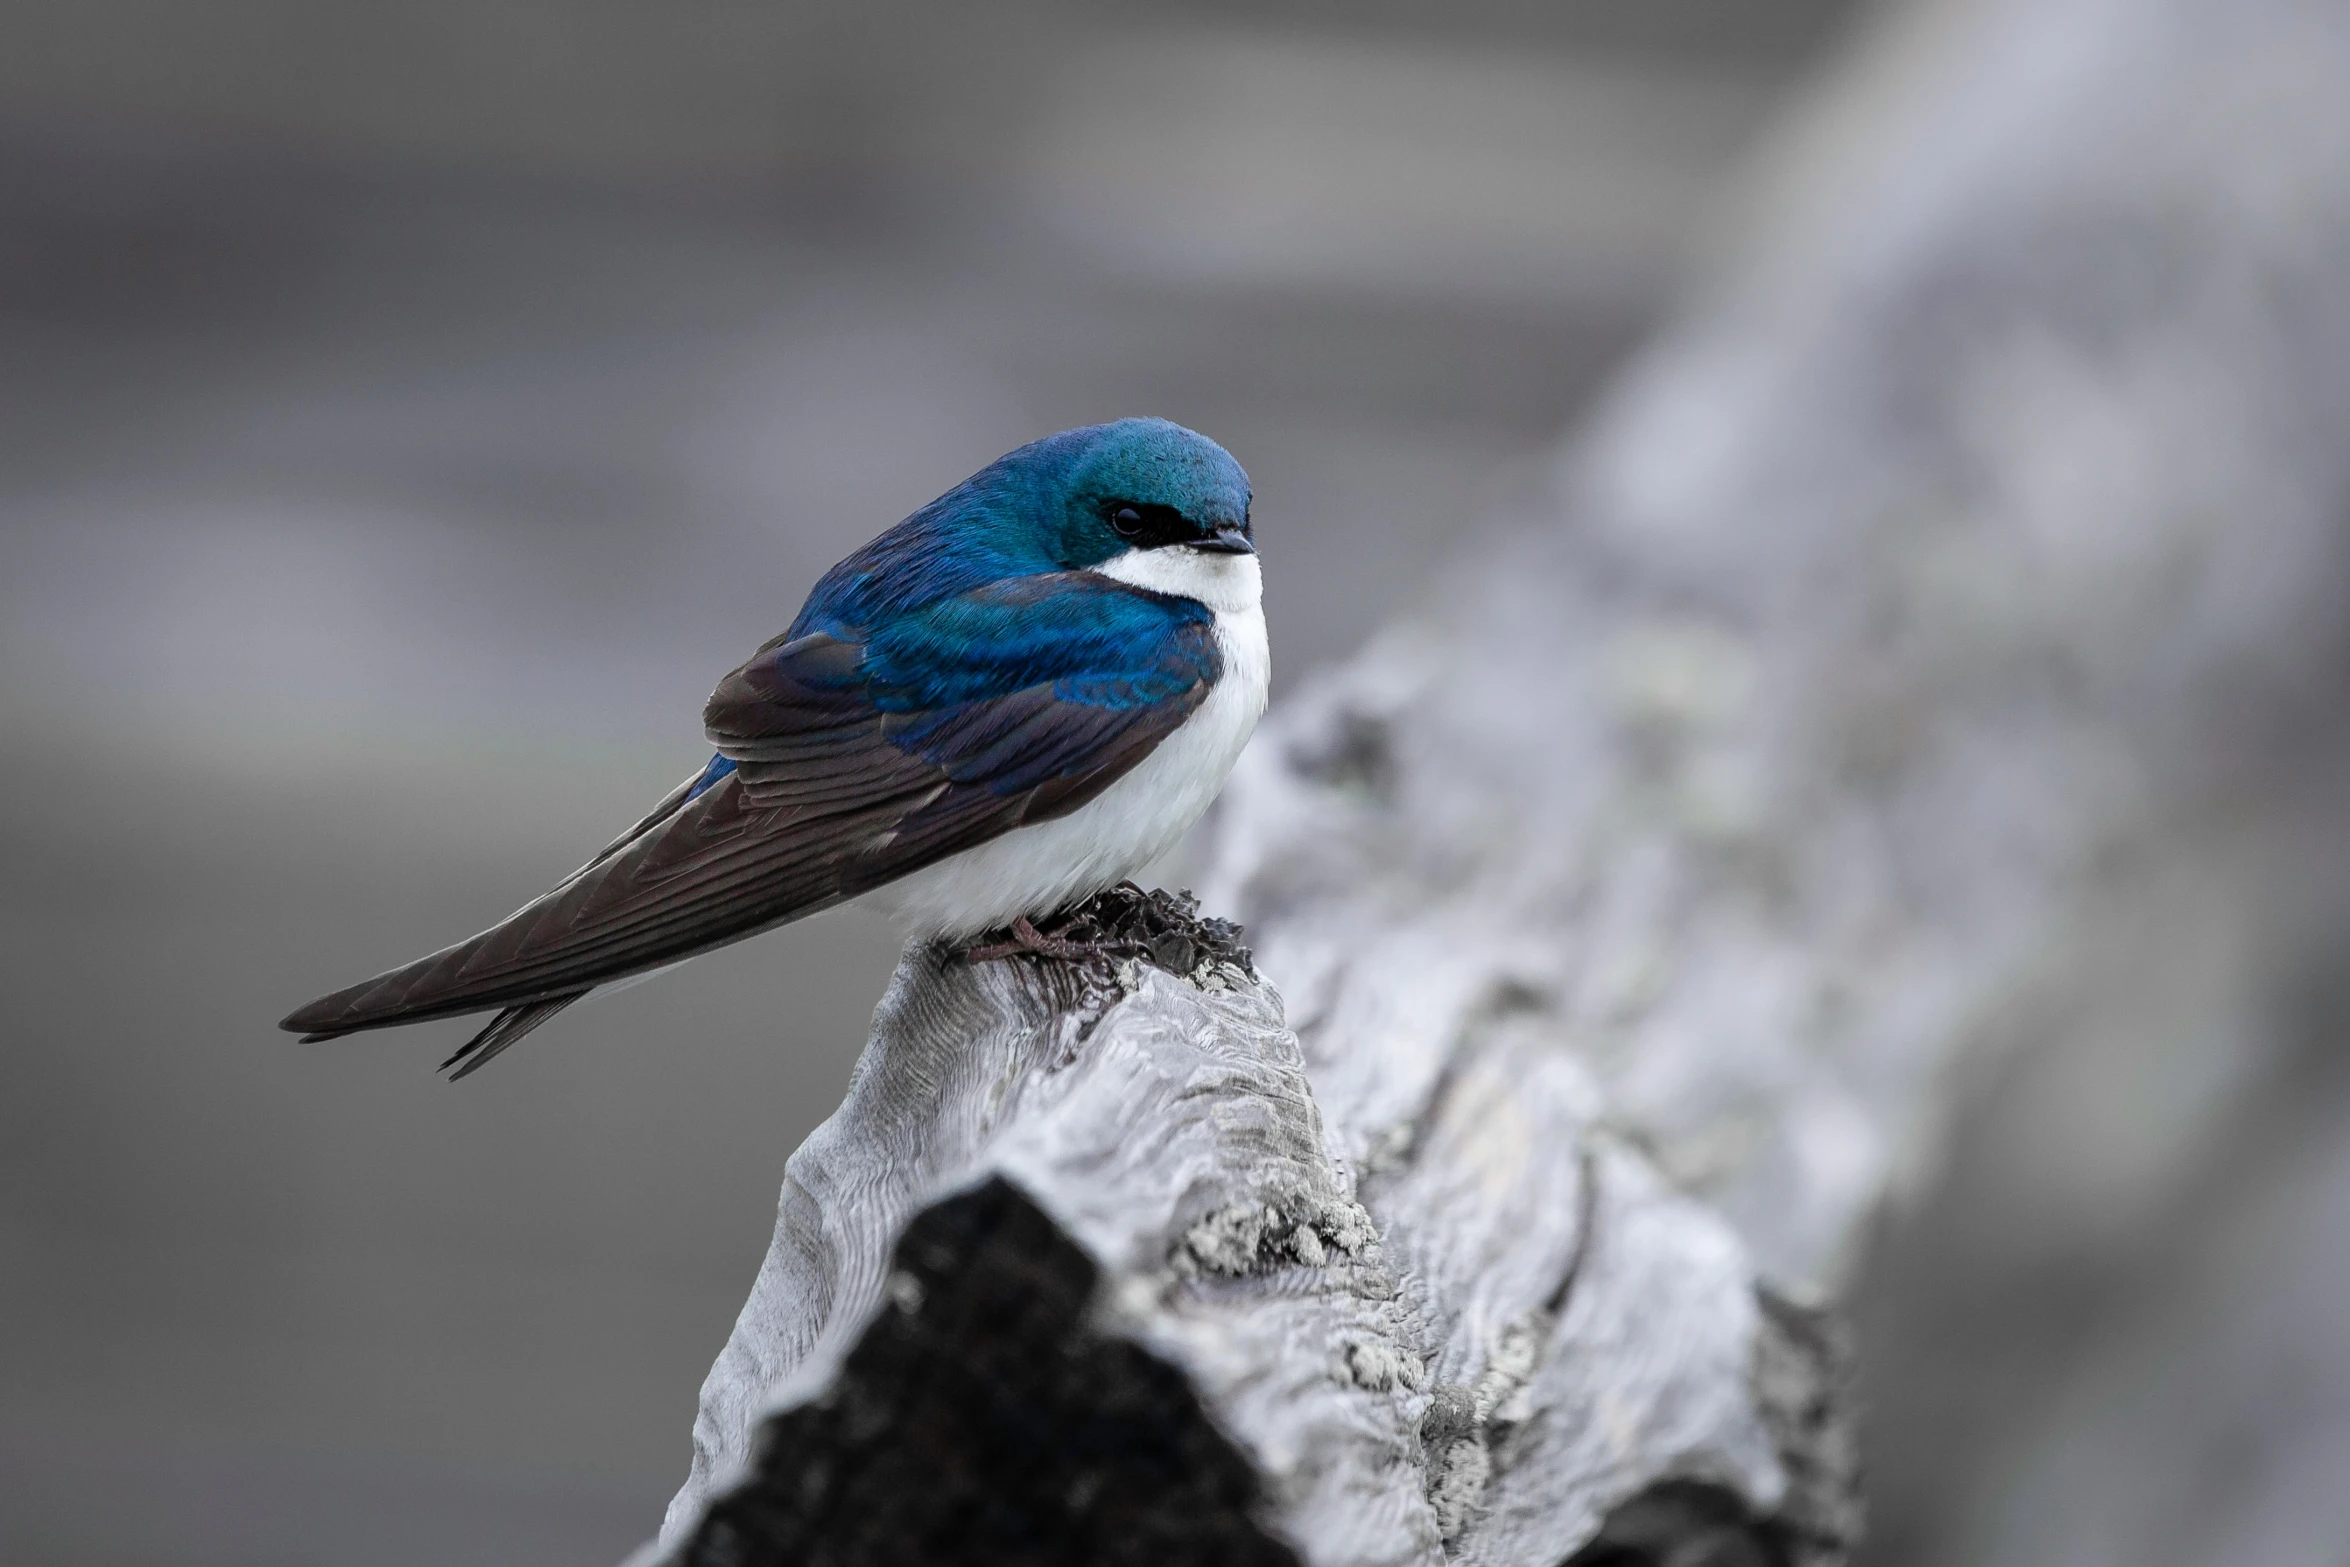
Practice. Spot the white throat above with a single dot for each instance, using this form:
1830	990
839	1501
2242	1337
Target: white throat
1227	584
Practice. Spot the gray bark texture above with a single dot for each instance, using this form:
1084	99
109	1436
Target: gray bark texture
1634	905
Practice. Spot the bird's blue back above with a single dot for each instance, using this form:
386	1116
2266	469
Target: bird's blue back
974	596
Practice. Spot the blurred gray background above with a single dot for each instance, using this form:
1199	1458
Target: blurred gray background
408	411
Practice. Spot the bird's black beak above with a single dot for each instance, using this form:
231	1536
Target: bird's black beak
1226	540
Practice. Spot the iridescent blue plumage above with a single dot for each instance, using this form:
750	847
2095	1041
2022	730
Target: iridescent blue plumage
718	767
976	596
995	662
1038	509
1065	626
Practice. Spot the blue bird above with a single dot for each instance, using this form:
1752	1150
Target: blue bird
1022	694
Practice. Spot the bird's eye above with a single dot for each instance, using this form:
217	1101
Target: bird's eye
1127	521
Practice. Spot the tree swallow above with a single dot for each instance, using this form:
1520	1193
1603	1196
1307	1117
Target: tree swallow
1021	695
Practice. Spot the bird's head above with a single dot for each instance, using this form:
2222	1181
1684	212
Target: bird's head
1145	484
1141	500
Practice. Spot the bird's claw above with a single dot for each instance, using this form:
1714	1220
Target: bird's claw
1027	938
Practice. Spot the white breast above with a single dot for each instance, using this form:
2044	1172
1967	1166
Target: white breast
1038	869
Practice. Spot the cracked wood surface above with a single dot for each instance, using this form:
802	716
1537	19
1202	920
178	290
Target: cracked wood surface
1631	904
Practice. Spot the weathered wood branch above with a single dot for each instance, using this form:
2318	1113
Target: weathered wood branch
1631	904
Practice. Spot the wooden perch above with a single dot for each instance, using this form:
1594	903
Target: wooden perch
1164	1123
1631	904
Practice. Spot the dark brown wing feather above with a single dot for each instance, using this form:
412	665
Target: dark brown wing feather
503	1030
717	868
830	798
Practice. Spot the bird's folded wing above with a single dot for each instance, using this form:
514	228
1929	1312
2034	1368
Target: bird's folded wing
857	760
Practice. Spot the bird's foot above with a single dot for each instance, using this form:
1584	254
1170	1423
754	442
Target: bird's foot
1027	938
